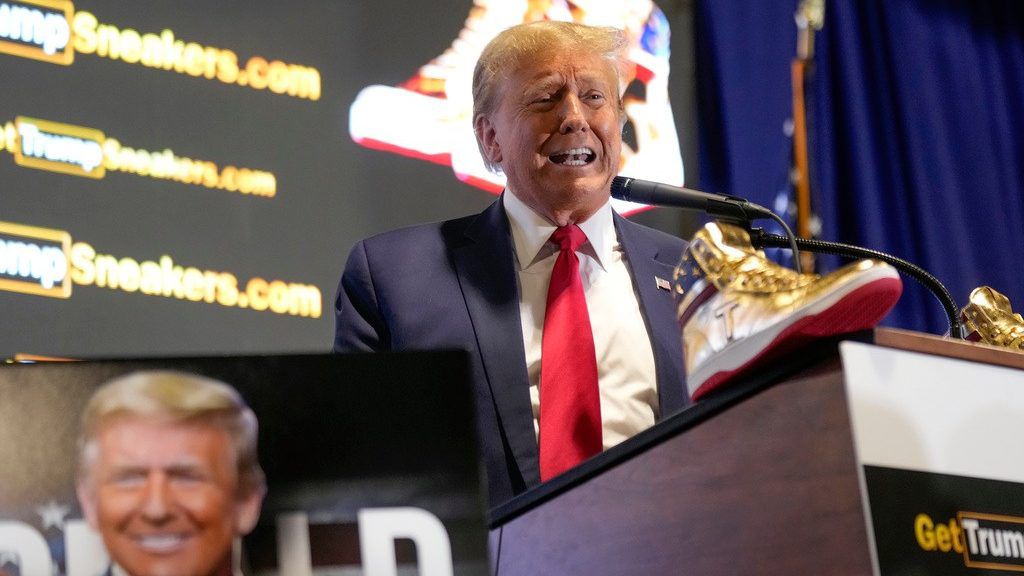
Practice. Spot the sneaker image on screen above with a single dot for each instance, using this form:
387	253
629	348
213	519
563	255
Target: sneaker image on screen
429	116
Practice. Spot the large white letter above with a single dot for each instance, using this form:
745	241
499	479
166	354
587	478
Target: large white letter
970	526
293	556
29	545
86	555
380	527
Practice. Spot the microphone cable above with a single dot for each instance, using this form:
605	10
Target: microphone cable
759	238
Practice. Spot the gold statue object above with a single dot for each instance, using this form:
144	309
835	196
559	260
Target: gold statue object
988	318
738	310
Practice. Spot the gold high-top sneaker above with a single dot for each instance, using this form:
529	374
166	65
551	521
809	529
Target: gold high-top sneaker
988	318
738	310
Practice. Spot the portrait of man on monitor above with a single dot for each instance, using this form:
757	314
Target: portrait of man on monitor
168	473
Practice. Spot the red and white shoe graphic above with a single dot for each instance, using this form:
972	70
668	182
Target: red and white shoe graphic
429	116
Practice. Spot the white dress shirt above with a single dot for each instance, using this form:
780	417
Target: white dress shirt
625	359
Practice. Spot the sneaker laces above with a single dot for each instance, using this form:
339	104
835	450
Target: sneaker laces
727	256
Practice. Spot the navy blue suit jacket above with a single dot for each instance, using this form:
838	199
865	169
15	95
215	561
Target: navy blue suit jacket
453	285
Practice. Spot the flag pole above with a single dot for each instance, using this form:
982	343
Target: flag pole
810	17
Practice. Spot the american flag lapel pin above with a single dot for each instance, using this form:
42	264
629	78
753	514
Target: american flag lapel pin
663	284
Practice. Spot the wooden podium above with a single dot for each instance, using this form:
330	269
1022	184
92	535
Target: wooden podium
761	479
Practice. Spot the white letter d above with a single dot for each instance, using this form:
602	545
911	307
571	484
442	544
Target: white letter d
380	527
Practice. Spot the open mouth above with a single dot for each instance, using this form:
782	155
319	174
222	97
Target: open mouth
573	157
162	543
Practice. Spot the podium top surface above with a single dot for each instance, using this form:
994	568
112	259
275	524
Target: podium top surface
952	348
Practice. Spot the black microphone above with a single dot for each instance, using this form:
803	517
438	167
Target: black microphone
720	206
717	205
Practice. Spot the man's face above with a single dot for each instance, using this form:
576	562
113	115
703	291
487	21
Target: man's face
164	496
557	133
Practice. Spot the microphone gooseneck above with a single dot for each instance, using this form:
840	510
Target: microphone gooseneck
743	212
761	239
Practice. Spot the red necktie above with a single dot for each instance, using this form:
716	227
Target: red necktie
570	406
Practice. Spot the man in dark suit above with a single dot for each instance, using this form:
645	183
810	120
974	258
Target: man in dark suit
548	113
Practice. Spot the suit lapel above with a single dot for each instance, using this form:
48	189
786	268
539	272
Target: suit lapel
658	308
485	264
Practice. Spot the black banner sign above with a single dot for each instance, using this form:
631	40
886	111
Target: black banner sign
928	523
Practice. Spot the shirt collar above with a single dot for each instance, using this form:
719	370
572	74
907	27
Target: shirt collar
531	231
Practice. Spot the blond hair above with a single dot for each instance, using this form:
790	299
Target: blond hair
175	397
518	44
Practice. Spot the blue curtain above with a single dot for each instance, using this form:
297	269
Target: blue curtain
917	130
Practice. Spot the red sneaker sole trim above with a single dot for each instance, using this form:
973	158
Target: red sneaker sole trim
445	159
485	185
